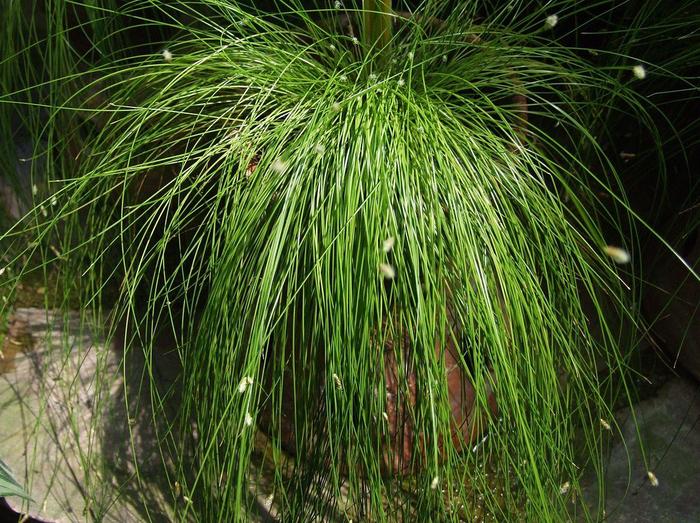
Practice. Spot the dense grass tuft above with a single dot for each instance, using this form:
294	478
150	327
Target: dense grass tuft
309	214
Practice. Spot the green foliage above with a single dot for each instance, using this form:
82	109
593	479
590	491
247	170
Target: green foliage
8	485
293	210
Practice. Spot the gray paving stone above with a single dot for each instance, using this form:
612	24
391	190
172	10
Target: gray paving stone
669	424
65	432
55	433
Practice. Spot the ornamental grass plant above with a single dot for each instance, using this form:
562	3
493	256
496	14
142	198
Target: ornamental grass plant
328	209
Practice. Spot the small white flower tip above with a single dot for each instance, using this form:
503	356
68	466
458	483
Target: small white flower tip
387	271
243	385
551	21
618	254
564	489
401	82
373	77
355	40
187	500
338	383
385	416
411	55
54	201
319	148
652	478
268	501
388	244
639	72
434	484
343	78
248	420
336	107
35	190
605	424
279	166
44	212
444	58
167	55
2	270
332	48
338	5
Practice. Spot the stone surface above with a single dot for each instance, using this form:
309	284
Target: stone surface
73	460
76	421
63	428
670	427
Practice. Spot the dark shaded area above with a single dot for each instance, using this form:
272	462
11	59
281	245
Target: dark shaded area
7	515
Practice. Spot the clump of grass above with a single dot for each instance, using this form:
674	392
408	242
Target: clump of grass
240	183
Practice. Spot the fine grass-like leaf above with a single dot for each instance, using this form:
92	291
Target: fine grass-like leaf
8	485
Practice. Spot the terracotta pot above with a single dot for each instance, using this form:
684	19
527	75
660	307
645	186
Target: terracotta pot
466	426
401	390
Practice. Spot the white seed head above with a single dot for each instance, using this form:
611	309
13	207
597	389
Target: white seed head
564	488
652	478
338	5
178	489
167	55
243	385
444	58
338	383
319	148
388	244
618	254
343	78
186	499
385	415
44	212
332	48
279	166
401	82
268	501
410	55
551	21
605	424
248	420
2	270
54	201
640	73
35	190
434	484
373	77
336	107
355	40
483	440
387	271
